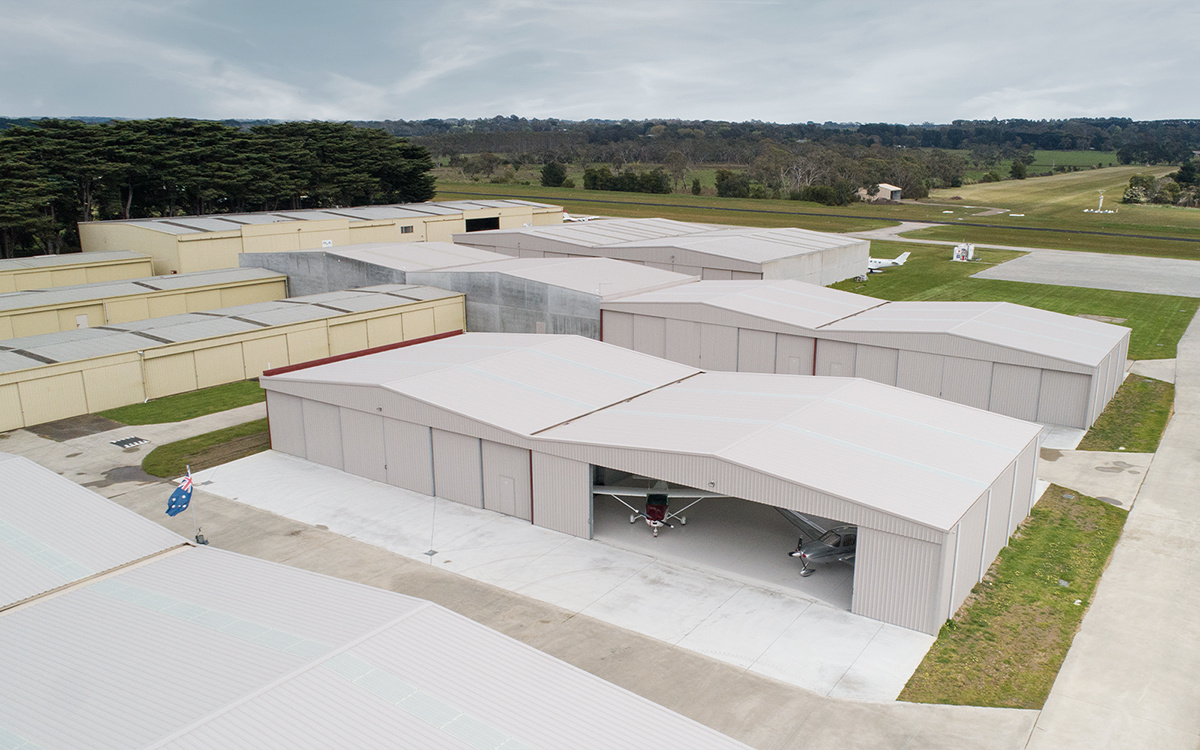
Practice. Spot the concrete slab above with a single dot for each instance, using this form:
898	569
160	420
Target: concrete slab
1126	273
676	599
1129	678
1159	369
1112	476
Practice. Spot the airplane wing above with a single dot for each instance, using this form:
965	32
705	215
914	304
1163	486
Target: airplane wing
673	493
808	527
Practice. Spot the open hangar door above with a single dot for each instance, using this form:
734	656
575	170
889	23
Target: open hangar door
738	538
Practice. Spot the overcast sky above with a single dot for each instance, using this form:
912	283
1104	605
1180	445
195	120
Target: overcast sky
905	61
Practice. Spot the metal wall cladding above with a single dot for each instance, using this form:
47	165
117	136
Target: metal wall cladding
897	579
220	364
1025	484
287	423
457	468
718	347
1015	391
719	274
649	335
968	566
506	480
408	451
794	355
756	351
322	433
876	363
171	374
835	358
617	328
920	372
55	397
683	341
999	523
1063	398
967	381
562	494
110	386
363	446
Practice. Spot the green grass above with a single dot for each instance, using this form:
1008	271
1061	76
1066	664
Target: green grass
1135	418
1157	321
208	450
1007	642
189	405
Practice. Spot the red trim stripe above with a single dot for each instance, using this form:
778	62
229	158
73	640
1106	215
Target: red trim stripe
360	353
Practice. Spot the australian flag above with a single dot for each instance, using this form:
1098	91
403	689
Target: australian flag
181	497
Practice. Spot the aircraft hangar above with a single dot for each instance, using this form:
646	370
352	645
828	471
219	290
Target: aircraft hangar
517	424
1015	360
711	251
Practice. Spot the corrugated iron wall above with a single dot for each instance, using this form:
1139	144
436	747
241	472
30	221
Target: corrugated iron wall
287	424
506	480
409	455
968	566
363	446
322	433
897	579
562	494
457	468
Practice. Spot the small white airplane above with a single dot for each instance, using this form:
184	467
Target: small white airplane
875	265
656	513
577	217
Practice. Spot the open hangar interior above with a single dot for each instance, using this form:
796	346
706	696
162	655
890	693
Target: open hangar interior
204	243
515	423
118	632
710	251
1020	361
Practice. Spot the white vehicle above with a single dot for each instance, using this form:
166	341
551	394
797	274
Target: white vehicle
875	265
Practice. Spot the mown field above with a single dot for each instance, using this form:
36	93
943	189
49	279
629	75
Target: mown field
1157	321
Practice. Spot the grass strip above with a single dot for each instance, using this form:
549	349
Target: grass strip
1134	419
1007	642
1157	321
208	450
189	405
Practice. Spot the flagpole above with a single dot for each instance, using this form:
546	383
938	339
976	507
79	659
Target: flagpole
192	506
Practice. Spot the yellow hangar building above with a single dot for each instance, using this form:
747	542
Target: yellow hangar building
181	244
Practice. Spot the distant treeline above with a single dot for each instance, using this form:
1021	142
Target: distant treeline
55	173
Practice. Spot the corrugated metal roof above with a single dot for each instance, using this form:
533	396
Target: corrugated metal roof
54	532
789	302
180	225
906	454
415	256
604	277
521	383
1049	334
63	295
206	648
83	343
69	259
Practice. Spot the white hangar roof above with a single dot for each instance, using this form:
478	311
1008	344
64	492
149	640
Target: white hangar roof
415	256
747	244
521	383
199	648
47	545
1049	334
908	455
603	277
788	302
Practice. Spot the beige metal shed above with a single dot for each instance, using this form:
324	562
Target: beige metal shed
516	423
1014	360
205	243
45	271
711	251
58	375
35	311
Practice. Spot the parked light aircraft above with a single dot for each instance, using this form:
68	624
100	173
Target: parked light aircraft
827	542
657	513
875	265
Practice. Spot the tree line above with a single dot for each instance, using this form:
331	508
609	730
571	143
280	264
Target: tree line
55	173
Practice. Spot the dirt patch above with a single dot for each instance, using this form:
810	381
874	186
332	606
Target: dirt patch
1050	454
1102	318
74	427
231	450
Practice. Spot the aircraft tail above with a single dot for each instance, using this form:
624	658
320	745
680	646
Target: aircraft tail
901	258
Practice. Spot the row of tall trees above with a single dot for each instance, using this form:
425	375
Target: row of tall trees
55	173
